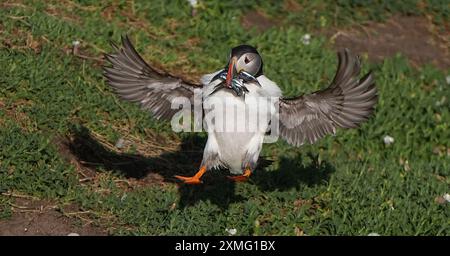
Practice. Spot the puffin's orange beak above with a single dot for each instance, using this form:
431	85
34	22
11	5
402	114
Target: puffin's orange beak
231	70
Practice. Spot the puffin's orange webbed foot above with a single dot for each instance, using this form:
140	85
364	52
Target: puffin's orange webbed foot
194	179
189	180
241	178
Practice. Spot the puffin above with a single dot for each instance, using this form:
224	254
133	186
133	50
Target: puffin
240	108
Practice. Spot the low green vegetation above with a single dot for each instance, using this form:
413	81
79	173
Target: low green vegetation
56	110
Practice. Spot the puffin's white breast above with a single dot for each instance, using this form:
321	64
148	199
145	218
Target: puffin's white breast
238	124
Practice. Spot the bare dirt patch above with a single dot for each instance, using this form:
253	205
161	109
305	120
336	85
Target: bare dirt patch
414	37
13	112
65	14
22	40
37	217
257	20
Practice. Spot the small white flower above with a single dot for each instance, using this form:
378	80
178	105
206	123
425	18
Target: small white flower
119	143
447	79
441	102
231	231
73	234
306	39
76	43
373	234
447	198
124	196
388	140
193	3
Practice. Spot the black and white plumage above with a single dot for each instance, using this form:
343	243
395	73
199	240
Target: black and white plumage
346	103
136	81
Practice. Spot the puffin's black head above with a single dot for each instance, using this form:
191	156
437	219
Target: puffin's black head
244	58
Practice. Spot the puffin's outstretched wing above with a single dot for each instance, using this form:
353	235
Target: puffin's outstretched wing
136	81
346	103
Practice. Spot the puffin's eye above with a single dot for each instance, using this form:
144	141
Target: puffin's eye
246	60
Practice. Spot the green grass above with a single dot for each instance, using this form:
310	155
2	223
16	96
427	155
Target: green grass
348	184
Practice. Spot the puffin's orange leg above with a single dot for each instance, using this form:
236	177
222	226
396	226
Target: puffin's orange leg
241	178
194	179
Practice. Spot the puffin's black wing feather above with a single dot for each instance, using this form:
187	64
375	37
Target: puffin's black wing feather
346	103
136	81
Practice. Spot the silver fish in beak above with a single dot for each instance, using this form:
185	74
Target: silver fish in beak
231	72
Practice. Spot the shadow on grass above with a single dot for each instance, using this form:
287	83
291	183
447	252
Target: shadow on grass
216	188
294	172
